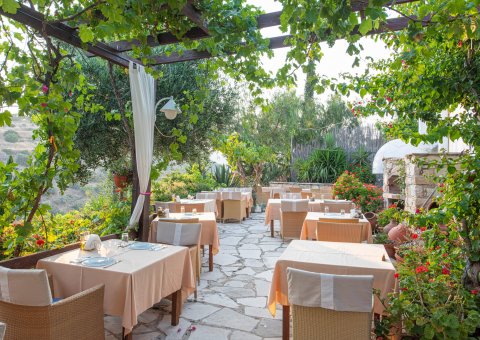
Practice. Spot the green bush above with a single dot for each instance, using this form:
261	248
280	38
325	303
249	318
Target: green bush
182	184
223	175
11	136
104	214
322	166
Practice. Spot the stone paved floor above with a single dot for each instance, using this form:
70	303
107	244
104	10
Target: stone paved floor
232	298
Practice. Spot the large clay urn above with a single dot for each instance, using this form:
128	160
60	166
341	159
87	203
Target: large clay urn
389	226
398	234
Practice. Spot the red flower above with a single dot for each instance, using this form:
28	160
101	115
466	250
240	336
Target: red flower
417	211
427	263
44	104
40	242
353	110
414	236
460	43
44	88
389	99
444	255
390	125
423	229
396	275
421	269
445	271
474	291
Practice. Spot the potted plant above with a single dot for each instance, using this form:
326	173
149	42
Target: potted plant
382	238
388	218
121	170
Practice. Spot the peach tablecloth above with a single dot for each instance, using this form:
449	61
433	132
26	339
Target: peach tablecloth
209	234
310	223
141	278
332	258
272	211
209	204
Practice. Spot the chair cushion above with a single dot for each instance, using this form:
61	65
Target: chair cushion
178	234
352	293
27	287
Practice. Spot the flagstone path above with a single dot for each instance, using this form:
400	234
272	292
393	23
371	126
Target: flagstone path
231	302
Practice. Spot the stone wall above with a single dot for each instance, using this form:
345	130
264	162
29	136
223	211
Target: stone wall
419	186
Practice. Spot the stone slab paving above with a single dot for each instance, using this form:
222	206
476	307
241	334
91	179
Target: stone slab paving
231	302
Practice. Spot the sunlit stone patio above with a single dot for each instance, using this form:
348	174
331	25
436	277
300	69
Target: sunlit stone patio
231	299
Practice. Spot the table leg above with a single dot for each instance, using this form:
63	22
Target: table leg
126	336
286	323
272	228
210	257
176	304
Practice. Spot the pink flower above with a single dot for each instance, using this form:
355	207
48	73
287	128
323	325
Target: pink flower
445	271
417	211
44	88
44	104
474	291
423	229
460	43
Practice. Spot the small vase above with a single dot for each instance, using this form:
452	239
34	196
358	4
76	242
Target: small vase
398	234
389	226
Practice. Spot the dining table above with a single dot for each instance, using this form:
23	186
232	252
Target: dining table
272	210
337	258
310	224
136	275
209	234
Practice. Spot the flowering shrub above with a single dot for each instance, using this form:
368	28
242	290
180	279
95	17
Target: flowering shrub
182	184
102	215
363	172
367	197
432	302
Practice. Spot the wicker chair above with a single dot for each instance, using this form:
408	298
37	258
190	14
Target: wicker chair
190	232
335	317
292	216
339	232
206	196
79	316
338	220
234	206
322	196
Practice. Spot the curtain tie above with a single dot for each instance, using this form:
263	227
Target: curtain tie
146	193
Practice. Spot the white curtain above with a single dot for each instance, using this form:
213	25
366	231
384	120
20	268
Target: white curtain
142	86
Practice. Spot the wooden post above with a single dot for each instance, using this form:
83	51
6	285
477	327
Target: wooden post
272	228
144	222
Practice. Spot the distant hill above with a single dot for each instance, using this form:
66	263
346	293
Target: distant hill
16	141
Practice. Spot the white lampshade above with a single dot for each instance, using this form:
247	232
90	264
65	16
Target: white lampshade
170	109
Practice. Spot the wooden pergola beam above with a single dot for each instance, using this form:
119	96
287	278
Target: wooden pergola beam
60	31
196	33
195	16
396	24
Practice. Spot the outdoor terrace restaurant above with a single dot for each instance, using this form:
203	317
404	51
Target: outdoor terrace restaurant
239	170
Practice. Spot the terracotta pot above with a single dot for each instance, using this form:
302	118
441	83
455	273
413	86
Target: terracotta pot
120	181
372	218
398	258
389	226
390	249
398	234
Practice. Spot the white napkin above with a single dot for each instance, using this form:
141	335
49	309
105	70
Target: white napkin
93	242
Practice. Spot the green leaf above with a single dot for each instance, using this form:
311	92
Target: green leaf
9	6
85	33
363	92
365	27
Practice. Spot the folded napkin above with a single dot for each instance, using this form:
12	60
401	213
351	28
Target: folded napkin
93	242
